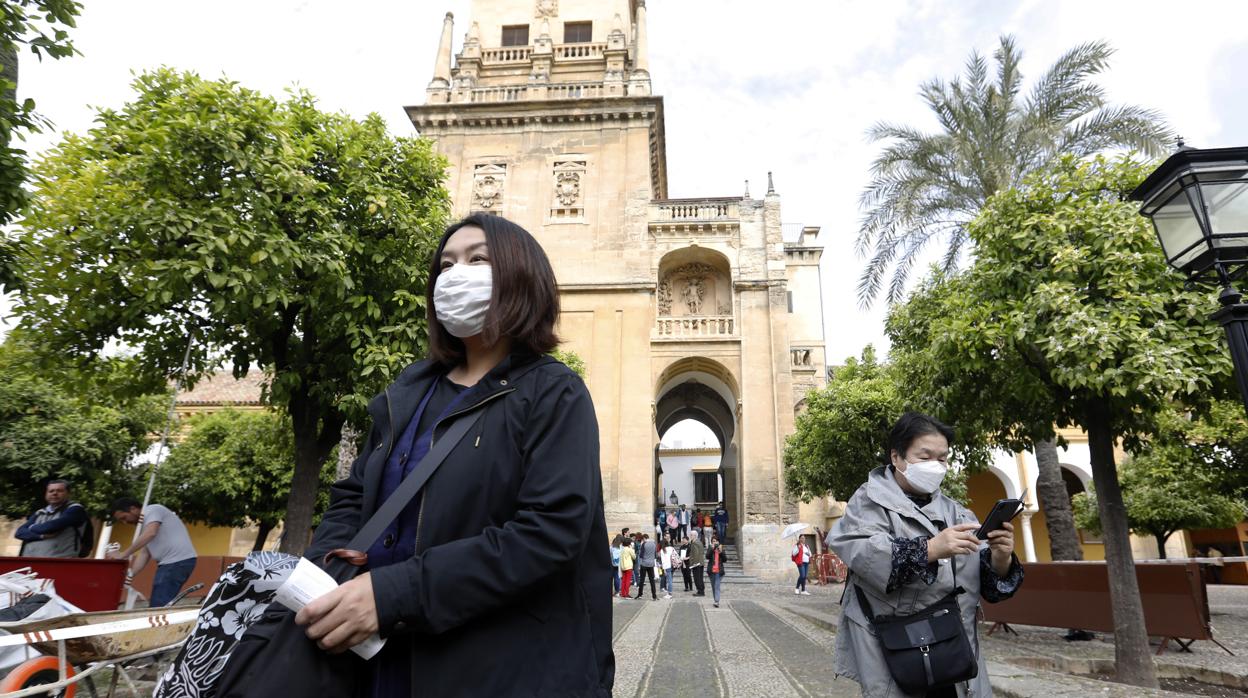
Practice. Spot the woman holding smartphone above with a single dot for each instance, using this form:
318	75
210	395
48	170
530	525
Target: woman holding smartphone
908	546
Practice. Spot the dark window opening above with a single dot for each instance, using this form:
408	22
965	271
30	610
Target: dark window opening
578	32
706	487
517	35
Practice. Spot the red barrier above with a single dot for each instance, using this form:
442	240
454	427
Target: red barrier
829	569
92	585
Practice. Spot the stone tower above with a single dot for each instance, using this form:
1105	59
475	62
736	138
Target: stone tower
680	307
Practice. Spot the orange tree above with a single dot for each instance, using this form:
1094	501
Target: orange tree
283	238
1069	316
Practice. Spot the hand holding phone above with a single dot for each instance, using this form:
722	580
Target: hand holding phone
1004	510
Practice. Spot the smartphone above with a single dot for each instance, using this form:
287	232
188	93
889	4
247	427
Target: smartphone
1002	511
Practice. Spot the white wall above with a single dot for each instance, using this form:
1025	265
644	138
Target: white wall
678	473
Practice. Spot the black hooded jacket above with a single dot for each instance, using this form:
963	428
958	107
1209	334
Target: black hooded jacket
508	592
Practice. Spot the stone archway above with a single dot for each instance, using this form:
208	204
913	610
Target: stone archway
702	390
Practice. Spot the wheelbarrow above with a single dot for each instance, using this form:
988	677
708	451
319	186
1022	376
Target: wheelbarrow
79	645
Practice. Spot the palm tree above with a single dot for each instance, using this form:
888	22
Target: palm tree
927	187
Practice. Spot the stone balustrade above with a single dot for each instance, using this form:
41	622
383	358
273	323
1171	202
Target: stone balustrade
694	326
508	54
565	52
506	93
695	210
575	90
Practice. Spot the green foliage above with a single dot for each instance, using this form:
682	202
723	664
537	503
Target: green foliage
843	434
281	237
233	468
51	427
1168	489
40	26
927	187
1069	303
572	360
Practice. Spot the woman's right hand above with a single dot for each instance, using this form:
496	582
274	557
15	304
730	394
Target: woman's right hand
954	540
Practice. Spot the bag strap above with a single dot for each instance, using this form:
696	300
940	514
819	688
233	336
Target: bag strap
404	493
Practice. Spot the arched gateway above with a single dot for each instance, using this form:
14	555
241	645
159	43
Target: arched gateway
681	308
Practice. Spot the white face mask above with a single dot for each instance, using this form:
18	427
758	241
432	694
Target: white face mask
461	298
926	476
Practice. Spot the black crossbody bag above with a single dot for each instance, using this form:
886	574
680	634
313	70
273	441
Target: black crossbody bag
275	656
926	649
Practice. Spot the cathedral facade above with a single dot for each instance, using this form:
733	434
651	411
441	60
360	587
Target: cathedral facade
681	308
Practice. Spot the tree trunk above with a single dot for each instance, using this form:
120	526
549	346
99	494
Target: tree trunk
262	535
1161	545
348	449
314	439
1133	659
1055	502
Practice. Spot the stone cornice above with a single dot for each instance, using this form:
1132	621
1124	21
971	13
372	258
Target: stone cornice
689	452
647	287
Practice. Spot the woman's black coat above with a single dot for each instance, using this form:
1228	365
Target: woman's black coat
508	593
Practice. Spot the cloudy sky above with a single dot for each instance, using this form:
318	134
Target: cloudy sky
749	87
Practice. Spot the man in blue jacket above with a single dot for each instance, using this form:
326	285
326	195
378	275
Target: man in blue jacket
57	529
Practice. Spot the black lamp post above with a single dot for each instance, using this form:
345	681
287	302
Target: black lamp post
1198	203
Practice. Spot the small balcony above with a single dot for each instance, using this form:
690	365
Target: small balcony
695	210
574	52
696	327
508	54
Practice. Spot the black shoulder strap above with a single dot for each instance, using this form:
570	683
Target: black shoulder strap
413	482
862	597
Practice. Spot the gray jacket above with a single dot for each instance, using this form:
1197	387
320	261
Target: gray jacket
646	557
863	538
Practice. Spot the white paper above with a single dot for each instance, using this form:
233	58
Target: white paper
308	582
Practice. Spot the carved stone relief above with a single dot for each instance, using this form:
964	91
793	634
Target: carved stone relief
547	8
568	188
487	187
701	289
801	357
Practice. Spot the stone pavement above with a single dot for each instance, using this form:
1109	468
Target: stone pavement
765	641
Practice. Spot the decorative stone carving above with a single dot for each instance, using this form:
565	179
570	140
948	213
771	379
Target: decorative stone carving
547	8
801	357
487	187
695	291
665	298
568	188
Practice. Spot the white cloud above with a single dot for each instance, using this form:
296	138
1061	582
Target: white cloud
749	87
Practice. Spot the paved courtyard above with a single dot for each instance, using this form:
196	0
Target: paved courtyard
765	641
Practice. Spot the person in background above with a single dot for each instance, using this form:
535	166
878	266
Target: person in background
697	555
673	525
164	539
665	564
615	563
626	566
715	559
720	520
646	557
1215	568
683	559
684	522
801	558
660	522
57	529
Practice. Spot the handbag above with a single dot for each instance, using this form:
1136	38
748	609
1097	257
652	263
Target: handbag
926	649
275	657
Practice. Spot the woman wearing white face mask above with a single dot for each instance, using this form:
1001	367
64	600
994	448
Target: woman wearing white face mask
500	553
913	552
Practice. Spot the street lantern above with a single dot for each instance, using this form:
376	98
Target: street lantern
1198	203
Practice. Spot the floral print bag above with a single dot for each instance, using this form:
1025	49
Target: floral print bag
237	600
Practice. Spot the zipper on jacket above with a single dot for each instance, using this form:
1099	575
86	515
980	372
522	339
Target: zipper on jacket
390	417
420	518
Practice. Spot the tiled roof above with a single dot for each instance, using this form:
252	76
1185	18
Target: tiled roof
223	389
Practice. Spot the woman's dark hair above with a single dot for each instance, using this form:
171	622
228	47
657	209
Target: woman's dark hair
524	304
911	426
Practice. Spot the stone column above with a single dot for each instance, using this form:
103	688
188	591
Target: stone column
1029	542
639	80
439	87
